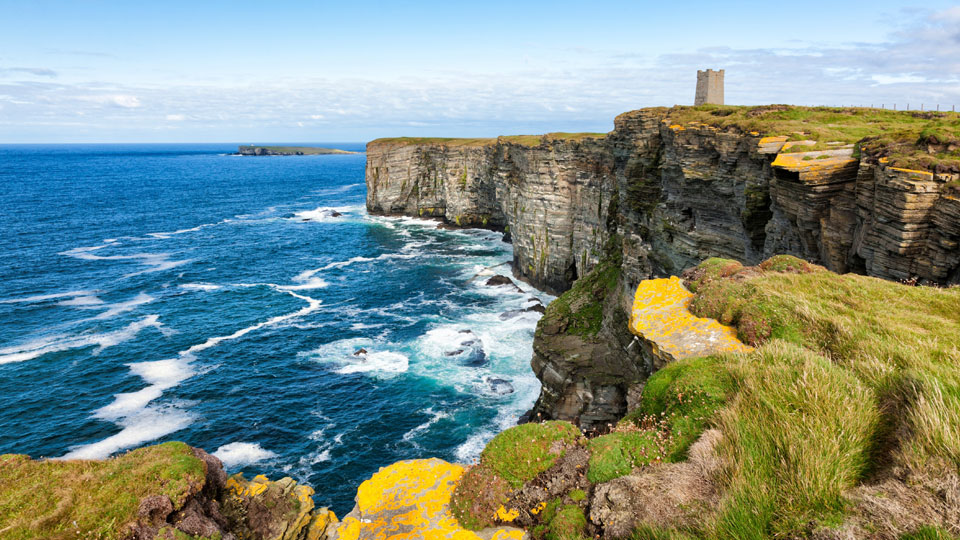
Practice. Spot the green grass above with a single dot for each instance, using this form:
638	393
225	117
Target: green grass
523	140
902	136
929	533
616	454
579	311
677	405
90	499
568	524
851	372
511	459
522	452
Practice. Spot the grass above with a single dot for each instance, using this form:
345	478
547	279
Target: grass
523	140
677	405
522	452
580	310
908	139
511	459
90	499
851	373
568	523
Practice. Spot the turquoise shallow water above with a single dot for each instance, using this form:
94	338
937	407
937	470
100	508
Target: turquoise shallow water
176	292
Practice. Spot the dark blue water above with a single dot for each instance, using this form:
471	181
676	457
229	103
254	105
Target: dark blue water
175	292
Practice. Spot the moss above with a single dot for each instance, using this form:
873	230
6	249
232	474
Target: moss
577	495
478	495
616	454
569	523
579	311
91	499
647	532
520	453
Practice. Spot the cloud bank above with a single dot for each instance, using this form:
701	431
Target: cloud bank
573	90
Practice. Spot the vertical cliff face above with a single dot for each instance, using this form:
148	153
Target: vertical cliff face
668	196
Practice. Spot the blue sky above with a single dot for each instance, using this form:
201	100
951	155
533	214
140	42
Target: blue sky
98	71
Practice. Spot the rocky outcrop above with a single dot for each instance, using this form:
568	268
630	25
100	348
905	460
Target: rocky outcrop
411	499
670	196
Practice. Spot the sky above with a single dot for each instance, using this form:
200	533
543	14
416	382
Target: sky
283	71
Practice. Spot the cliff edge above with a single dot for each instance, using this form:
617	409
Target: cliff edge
855	190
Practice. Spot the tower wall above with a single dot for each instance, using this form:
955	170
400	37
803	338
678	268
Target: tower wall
709	87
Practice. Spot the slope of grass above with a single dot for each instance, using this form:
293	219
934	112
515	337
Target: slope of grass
523	140
852	373
908	139
90	499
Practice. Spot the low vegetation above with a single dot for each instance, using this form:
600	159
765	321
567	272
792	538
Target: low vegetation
90	499
911	139
854	384
523	140
579	311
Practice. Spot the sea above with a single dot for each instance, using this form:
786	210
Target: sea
249	306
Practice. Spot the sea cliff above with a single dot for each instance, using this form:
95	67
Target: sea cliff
669	188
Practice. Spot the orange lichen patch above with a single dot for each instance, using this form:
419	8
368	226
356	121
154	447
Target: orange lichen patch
661	316
539	508
507	515
677	127
915	174
410	500
820	166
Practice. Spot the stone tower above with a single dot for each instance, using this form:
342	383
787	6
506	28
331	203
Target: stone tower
709	87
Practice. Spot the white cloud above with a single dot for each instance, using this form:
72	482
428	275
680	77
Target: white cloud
176	117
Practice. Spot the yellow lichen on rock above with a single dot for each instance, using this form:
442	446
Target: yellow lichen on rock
661	317
507	515
410	500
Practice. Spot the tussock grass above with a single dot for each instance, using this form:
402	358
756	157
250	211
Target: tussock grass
90	499
852	373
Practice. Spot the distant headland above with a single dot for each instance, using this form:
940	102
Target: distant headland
289	151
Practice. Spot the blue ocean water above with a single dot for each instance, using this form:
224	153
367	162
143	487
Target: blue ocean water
176	292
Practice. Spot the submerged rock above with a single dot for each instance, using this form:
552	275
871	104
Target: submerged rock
498	386
500	281
468	349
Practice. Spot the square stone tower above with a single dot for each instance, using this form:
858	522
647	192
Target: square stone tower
709	87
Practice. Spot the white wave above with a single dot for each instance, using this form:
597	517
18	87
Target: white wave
146	425
159	374
45	297
81	301
312	305
378	362
471	448
239	454
40	347
122	307
435	416
307	275
335	190
156	262
200	286
306	281
166	235
322	214
133	411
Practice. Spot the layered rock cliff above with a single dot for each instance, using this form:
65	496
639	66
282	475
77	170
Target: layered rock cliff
669	193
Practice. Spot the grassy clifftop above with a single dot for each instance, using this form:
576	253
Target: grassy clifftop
91	499
910	139
523	140
843	422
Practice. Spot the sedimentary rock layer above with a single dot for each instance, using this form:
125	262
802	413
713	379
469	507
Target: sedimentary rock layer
670	196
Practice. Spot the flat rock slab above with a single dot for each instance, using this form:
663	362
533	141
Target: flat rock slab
411	500
661	316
